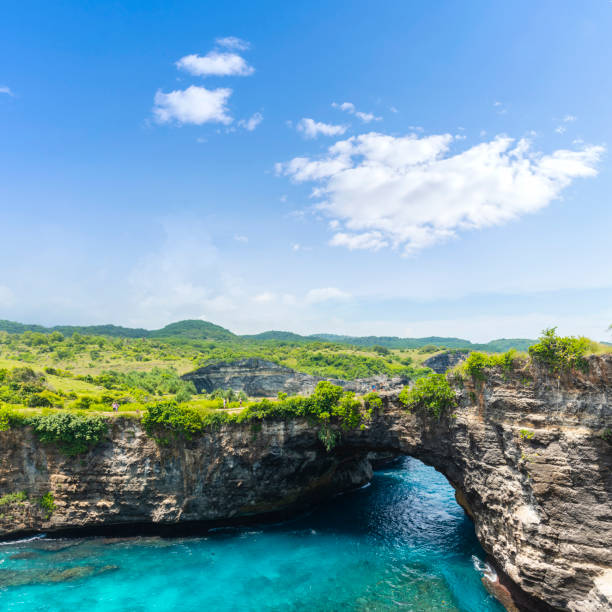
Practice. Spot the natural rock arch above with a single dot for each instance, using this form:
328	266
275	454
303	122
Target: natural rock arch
528	455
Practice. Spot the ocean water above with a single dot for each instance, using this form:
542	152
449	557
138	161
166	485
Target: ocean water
401	542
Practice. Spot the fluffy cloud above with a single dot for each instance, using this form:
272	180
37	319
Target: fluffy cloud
193	105
5	90
233	42
349	107
215	63
410	192
311	128
252	122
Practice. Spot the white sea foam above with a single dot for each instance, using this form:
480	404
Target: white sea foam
13	542
484	568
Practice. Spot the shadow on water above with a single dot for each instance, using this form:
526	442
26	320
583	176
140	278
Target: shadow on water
401	542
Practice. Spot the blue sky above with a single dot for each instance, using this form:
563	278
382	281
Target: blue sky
404	168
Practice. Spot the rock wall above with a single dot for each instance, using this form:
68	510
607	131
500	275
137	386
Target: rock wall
261	378
528	454
442	362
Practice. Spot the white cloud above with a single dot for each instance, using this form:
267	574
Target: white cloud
252	122
311	128
240	238
6	90
193	105
316	296
215	63
409	192
372	241
349	107
569	118
560	129
233	42
264	298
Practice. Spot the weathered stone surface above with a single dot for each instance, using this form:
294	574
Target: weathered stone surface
261	378
443	362
526	453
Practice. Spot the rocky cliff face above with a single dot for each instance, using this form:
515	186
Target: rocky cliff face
261	378
528	454
442	362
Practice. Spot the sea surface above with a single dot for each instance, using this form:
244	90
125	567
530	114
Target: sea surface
400	543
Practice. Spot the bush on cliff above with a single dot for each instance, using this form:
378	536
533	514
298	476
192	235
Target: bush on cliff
476	363
560	354
431	394
179	421
328	403
72	433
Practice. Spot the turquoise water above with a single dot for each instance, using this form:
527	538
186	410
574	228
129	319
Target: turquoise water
401	542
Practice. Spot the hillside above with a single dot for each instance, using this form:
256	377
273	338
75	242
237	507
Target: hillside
203	330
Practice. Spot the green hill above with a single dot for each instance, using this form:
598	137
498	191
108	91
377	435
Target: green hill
195	329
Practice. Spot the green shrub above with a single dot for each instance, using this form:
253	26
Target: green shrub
180	421
47	503
72	433
560	354
476	363
373	400
431	394
13	498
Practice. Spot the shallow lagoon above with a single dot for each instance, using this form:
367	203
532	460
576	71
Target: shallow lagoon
401	542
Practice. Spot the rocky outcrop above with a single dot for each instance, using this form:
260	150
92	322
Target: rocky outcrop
443	362
261	378
528	454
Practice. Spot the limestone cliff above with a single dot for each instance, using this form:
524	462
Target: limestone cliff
528	454
262	378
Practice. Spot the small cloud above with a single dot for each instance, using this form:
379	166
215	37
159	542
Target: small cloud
196	105
283	198
569	119
501	110
215	64
483	133
349	107
264	298
233	42
201	140
311	128
251	123
6	90
460	136
240	238
300	247
325	294
560	129
393	109
416	128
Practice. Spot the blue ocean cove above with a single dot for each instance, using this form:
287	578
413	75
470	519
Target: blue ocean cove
400	543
